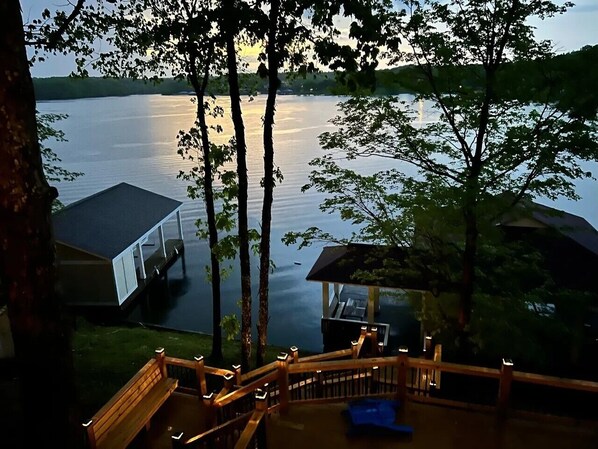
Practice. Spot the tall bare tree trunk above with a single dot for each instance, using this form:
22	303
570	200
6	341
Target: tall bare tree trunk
41	334
268	181
200	89
230	22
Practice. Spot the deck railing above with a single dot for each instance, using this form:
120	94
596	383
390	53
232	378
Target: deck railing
236	403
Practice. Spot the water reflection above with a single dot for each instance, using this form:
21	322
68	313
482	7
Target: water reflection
133	139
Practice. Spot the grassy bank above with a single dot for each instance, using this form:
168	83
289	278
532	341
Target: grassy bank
106	357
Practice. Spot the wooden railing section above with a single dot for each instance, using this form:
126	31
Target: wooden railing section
237	404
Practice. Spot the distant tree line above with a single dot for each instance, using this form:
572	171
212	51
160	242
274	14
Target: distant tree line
388	82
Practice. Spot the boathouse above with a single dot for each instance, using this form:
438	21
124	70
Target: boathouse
111	244
353	277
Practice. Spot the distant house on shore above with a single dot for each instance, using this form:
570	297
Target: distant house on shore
100	244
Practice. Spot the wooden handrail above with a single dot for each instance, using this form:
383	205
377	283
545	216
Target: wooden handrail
326	356
245	390
250	429
332	365
184	363
456	368
259	371
218	429
557	382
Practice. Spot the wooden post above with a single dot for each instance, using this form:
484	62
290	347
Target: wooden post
428	347
161	358
261	405
177	440
283	381
91	436
373	340
319	384
374	380
200	373
295	354
237	370
504	388
354	353
402	365
208	400
364	330
261	400
229	381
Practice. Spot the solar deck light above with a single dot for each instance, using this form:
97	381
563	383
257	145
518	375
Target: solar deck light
198	358
403	349
507	362
354	342
229	377
236	367
261	395
208	397
294	348
177	437
282	356
159	350
88	423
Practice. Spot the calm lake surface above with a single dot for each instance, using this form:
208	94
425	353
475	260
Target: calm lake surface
133	139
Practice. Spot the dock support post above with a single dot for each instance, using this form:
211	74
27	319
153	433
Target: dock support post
180	224
325	300
142	273
162	241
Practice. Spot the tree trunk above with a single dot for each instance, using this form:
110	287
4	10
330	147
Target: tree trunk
40	332
268	182
468	268
200	89
229	24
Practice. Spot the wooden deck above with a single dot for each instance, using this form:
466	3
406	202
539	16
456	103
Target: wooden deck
324	427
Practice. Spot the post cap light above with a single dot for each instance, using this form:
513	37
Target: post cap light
294	349
177	436
88	423
261	395
229	376
208	397
403	349
236	367
198	358
159	350
507	362
354	342
282	356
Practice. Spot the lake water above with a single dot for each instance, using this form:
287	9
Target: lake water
133	139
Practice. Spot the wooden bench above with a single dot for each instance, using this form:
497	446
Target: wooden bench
121	419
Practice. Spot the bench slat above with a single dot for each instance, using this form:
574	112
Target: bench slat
131	397
117	423
129	427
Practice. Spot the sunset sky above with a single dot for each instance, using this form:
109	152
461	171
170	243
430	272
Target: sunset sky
568	32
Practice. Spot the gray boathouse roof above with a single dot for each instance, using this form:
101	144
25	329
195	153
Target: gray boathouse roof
375	265
110	221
